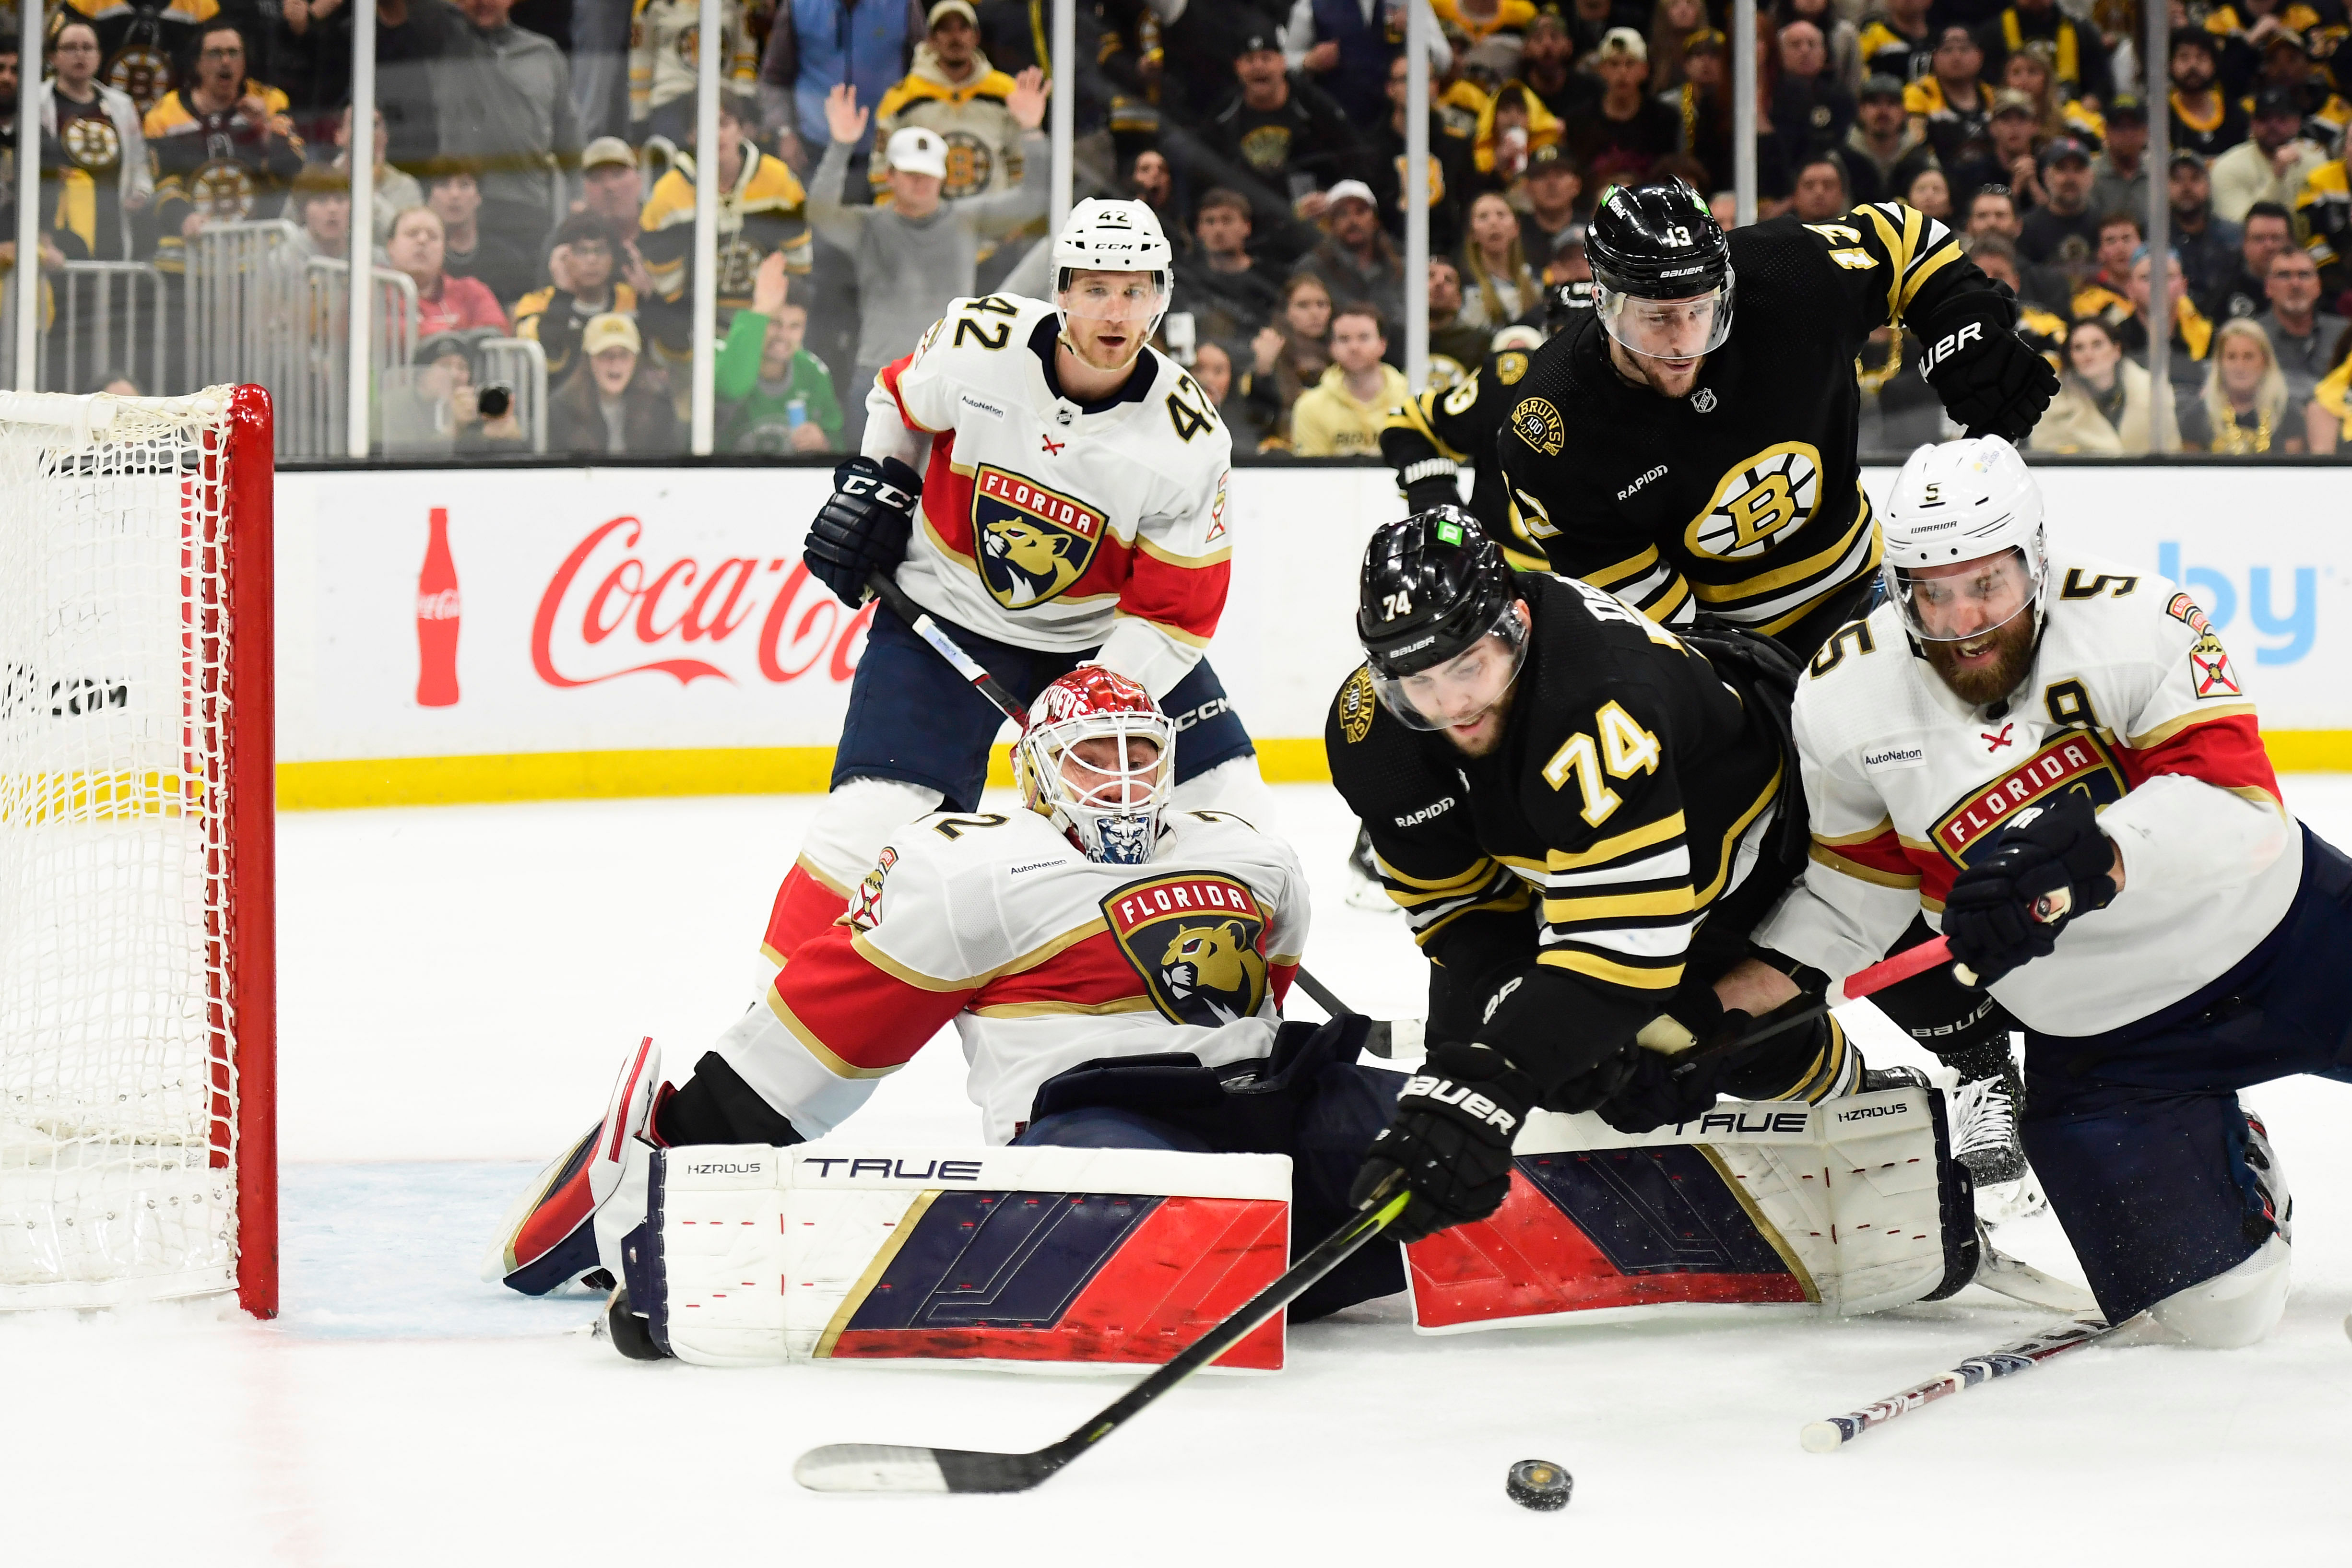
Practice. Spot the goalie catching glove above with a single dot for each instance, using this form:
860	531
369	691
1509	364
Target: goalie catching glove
863	526
1452	1139
1990	383
2045	849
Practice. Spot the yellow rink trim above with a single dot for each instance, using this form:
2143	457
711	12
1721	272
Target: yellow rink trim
808	769
122	794
622	775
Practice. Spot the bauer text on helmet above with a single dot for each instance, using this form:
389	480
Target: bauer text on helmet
1098	761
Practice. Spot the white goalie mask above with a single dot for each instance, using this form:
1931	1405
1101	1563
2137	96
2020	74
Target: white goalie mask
1098	761
1975	502
1103	236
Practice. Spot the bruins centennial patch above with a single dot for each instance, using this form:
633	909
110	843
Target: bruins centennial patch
1032	543
1357	702
1199	942
1538	424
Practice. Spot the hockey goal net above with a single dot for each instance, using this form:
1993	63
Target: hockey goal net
137	1133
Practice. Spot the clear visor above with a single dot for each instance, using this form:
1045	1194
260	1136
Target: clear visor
1464	688
1965	601
1105	778
1667	329
1124	297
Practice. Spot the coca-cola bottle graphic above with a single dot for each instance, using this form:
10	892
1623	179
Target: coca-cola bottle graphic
436	620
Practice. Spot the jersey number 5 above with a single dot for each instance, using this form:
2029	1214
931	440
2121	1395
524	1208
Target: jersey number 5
1625	748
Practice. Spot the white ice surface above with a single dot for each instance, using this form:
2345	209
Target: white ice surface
457	988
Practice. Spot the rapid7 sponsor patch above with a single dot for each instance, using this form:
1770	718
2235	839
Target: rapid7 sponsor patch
2076	759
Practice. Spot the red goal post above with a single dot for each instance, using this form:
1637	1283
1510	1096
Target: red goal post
138	1016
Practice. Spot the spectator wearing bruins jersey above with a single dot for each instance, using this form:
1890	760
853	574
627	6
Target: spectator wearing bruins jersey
224	151
1691	462
1429	438
1580	814
142	44
762	209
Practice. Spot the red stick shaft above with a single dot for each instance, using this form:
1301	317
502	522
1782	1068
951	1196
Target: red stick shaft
1901	966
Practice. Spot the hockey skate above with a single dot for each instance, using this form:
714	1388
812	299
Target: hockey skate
1364	889
1985	1105
549	1237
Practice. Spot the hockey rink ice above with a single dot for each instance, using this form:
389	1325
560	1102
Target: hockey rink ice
458	985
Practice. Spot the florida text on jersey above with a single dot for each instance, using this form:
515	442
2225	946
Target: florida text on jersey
1051	525
2131	701
1744	497
1043	958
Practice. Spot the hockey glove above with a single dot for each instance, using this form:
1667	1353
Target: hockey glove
1990	915
863	526
1430	482
1990	383
1452	1139
1659	1090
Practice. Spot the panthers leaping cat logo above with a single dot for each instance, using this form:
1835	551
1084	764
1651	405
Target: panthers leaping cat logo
1198	941
1032	543
1216	966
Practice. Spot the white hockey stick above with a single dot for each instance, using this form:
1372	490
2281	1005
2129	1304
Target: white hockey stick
1828	1436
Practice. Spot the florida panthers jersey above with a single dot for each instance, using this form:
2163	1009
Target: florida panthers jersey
1050	524
2133	701
1043	959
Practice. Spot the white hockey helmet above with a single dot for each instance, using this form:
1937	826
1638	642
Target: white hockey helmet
1107	804
1963	501
1105	236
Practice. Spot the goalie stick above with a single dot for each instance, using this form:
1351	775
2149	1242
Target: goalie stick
889	1467
1828	1436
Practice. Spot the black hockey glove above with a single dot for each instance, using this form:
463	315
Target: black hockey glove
1659	1090
1989	916
1990	383
1430	482
1452	1139
863	526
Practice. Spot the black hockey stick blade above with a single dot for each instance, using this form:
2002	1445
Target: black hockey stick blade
889	1467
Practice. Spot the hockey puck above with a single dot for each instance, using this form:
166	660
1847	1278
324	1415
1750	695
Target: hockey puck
1539	1484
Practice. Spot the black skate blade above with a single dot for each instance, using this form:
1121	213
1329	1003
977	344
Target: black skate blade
889	1467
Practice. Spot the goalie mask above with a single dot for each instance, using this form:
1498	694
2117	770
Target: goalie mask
1973	503
1098	761
1112	264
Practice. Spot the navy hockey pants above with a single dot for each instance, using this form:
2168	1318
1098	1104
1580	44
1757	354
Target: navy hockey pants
2136	1133
913	718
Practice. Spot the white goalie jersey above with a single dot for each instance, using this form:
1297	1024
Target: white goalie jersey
1042	958
2131	700
1050	525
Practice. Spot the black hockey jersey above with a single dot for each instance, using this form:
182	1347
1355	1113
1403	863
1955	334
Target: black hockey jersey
1568	869
1451	425
1744	497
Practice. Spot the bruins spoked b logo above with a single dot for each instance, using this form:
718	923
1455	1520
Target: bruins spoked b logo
1759	499
1199	942
1032	543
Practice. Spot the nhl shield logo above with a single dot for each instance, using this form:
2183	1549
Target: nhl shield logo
1199	942
1032	543
1703	401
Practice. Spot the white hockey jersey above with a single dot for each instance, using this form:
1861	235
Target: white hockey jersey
1042	960
1050	526
2131	700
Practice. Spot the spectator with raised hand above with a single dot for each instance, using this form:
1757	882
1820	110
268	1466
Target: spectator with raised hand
664	35
395	188
230	129
444	304
1498	285
1342	414
468	250
2244	408
921	250
504	98
93	130
612	404
1231	297
2267	231
1289	357
584	282
2302	337
1280	141
2274	161
773	395
2102	406
2204	120
817	46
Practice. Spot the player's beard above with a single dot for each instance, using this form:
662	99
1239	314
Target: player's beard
1652	375
1484	733
1980	684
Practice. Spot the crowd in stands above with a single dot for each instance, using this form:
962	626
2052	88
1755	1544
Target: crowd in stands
535	171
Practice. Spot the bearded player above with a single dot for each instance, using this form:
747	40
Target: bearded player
2019	725
1114	966
1052	491
1695	460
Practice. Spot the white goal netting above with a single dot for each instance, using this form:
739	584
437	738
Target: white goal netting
120	1053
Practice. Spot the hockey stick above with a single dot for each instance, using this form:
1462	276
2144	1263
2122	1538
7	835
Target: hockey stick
883	1466
1828	1436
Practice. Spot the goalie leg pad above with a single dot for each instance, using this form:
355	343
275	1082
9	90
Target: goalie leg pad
1075	1258
570	1220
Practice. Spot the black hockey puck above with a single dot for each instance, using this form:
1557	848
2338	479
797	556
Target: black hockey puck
1539	1484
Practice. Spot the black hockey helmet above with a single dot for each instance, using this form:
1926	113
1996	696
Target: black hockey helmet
1659	241
1563	303
1433	588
